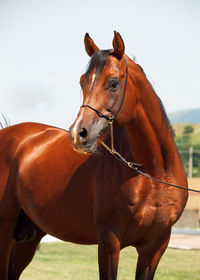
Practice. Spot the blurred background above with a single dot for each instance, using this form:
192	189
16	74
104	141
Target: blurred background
42	53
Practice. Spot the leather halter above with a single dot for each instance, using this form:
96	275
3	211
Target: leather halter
134	166
113	117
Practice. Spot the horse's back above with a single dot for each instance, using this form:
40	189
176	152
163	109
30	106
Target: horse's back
10	139
12	136
54	187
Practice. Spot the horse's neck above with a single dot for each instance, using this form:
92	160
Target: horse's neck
149	134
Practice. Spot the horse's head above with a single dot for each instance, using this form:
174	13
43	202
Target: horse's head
104	94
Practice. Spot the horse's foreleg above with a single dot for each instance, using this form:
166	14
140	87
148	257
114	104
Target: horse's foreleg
148	259
108	253
22	254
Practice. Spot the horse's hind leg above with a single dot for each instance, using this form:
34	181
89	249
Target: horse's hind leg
6	232
148	259
22	254
25	229
8	210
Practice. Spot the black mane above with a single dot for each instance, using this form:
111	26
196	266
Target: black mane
162	107
164	115
98	60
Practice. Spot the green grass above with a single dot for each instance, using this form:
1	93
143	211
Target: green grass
69	261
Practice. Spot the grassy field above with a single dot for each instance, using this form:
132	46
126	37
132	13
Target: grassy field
69	261
195	136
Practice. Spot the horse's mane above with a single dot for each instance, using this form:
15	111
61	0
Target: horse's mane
162	107
99	60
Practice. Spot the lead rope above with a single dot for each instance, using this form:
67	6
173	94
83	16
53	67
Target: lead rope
112	150
133	165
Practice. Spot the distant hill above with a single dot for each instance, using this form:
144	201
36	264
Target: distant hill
186	116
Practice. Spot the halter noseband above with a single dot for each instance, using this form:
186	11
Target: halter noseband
111	118
132	165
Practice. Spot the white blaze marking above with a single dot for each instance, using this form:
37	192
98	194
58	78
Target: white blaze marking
93	79
74	133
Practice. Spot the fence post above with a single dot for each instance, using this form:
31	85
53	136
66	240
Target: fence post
190	162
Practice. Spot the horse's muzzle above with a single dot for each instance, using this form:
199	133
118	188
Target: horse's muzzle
84	138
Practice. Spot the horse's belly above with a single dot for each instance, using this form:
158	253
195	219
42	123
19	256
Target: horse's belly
68	222
66	212
72	228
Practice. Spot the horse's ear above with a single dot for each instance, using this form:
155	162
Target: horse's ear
90	46
118	45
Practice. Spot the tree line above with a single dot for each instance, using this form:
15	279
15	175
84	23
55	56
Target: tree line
189	152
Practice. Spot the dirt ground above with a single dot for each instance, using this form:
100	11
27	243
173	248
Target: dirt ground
194	198
178	241
183	241
186	242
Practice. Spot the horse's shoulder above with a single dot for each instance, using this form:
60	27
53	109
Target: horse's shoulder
36	140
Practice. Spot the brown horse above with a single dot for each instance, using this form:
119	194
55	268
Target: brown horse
90	199
129	209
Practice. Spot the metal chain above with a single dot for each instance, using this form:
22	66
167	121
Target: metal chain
112	135
112	149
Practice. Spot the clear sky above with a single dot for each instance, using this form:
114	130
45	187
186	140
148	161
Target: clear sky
42	53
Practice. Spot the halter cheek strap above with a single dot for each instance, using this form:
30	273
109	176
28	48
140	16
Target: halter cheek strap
132	165
113	117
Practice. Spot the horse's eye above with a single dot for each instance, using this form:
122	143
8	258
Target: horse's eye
114	83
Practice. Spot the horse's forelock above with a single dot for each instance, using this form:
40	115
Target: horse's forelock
98	60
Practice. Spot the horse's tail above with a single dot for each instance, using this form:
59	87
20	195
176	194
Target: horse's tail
5	122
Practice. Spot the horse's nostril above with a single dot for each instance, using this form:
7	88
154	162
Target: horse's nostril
83	133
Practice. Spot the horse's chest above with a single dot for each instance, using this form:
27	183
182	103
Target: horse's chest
135	204
125	201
